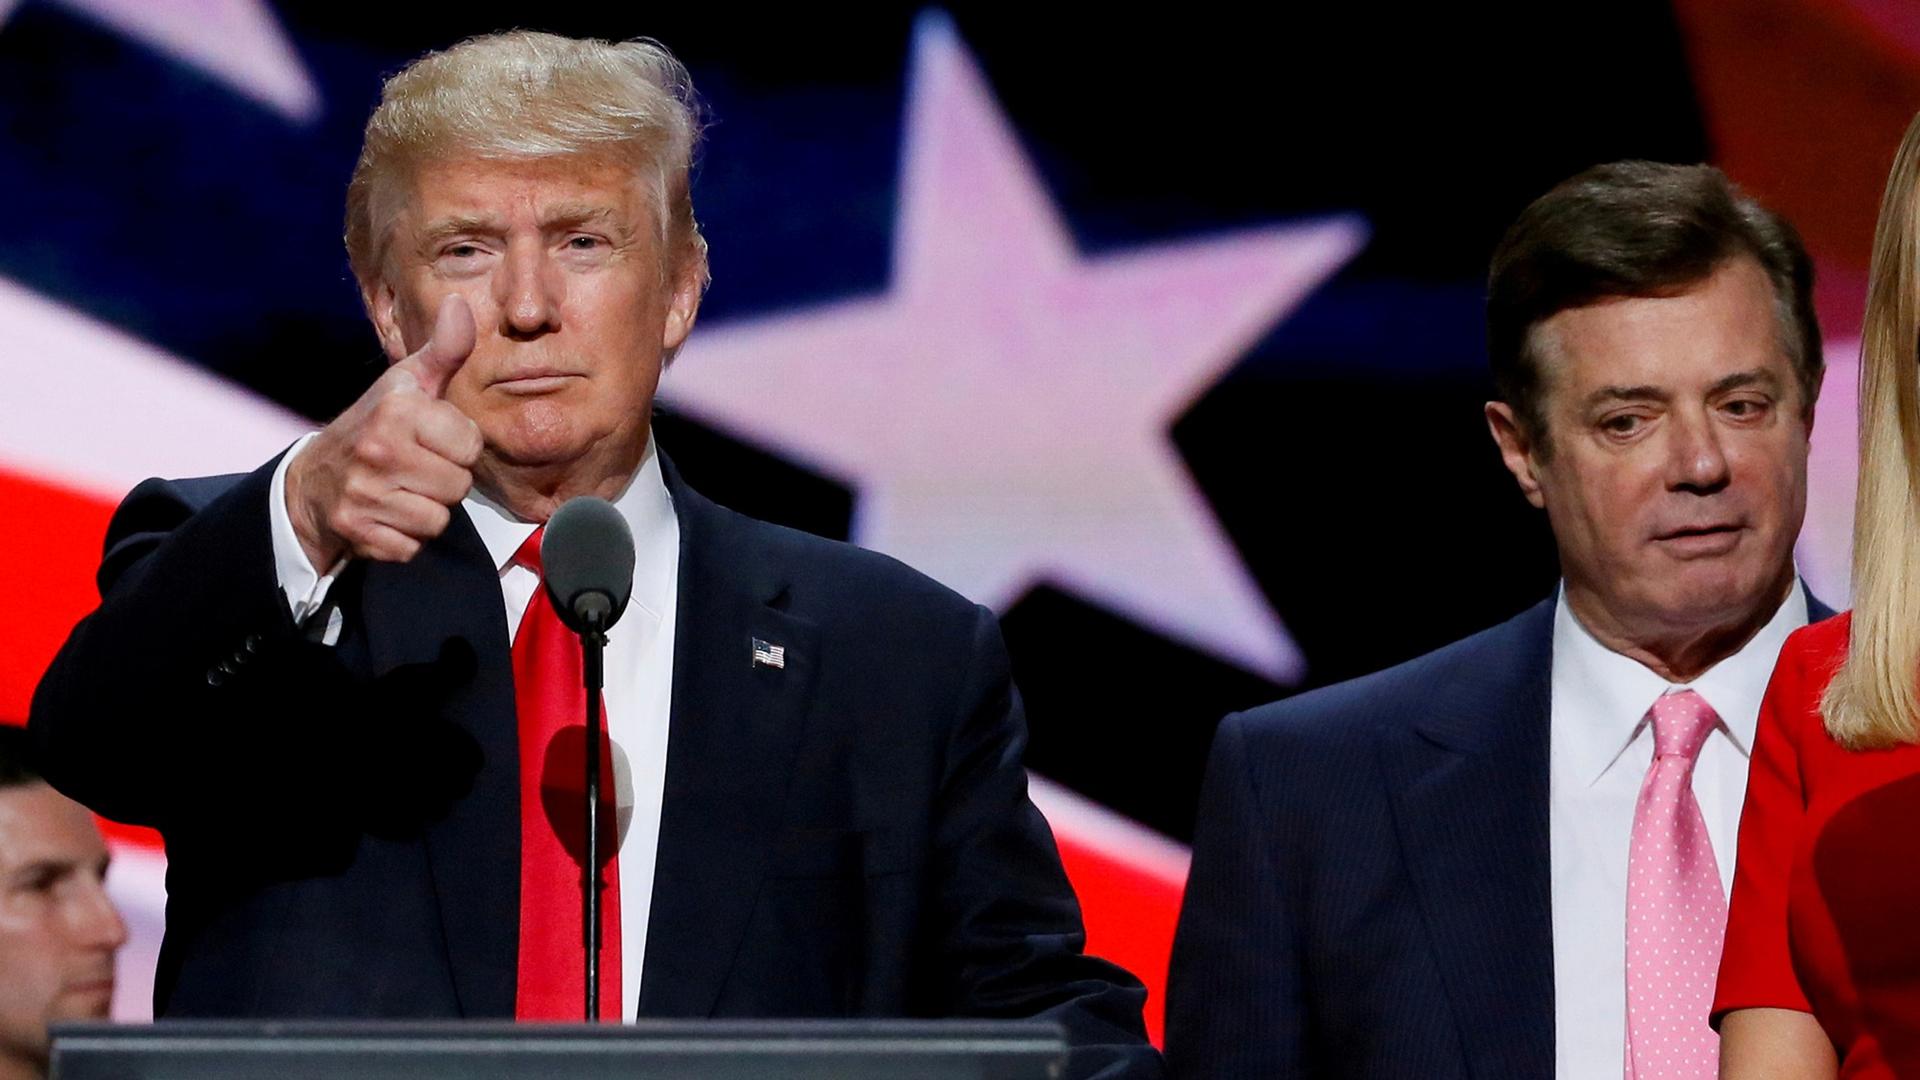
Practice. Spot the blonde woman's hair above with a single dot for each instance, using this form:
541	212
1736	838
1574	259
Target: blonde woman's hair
526	95
1874	698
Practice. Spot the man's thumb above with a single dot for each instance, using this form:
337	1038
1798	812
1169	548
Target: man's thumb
436	362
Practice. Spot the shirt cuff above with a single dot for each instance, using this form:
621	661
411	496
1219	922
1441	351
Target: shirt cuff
304	586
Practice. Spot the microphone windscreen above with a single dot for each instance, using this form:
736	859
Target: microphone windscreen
587	559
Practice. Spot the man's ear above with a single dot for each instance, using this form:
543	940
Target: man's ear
683	307
383	307
1516	450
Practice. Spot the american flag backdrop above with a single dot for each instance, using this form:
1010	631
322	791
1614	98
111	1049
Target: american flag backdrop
1157	333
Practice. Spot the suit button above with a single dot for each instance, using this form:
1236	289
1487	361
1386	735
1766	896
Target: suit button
251	646
217	676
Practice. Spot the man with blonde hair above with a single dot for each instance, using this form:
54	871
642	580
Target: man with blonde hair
813	773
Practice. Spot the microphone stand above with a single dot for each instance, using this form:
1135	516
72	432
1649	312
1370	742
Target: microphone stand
593	644
587	558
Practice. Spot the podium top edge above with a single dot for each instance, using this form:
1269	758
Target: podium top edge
972	1031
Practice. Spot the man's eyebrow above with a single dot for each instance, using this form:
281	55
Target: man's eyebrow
39	868
574	213
564	215
456	224
1756	377
1739	379
1627	393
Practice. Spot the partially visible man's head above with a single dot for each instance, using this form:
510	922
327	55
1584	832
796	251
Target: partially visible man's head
1636	229
524	96
1657	359
58	930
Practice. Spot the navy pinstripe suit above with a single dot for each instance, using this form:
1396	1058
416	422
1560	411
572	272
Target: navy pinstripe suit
1371	893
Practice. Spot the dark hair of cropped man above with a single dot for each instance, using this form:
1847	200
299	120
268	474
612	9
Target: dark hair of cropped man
16	757
1636	229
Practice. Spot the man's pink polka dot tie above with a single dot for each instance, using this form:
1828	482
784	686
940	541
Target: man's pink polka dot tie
1676	912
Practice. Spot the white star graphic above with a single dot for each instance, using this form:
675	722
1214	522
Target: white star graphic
97	410
238	42
1002	413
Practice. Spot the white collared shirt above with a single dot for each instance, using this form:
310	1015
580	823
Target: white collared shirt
639	665
1600	748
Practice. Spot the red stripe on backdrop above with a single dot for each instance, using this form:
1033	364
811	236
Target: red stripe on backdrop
132	835
46	575
1130	916
1805	101
48	555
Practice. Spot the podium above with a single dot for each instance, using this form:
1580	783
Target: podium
502	1050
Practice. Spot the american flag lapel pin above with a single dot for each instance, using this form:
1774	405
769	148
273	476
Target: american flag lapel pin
767	654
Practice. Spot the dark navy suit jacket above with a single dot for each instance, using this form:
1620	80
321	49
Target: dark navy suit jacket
848	835
1371	893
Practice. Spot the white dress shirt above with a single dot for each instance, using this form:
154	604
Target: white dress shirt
639	665
1600	748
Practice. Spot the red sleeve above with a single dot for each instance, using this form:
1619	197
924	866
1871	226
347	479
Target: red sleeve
1756	965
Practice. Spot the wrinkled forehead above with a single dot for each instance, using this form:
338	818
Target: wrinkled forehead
468	184
40	825
1689	340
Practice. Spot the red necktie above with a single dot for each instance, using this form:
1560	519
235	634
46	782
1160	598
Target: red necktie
551	705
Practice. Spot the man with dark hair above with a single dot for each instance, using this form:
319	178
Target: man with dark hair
1510	857
58	930
1637	228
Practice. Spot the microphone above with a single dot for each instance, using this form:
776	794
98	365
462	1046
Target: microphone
586	557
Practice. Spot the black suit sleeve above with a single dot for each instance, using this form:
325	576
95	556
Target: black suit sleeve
1234	995
138	710
1012	937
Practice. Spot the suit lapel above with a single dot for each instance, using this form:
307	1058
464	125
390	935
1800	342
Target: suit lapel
1469	779
732	735
448	595
1816	609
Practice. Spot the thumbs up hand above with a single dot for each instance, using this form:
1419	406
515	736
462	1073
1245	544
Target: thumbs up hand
380	480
